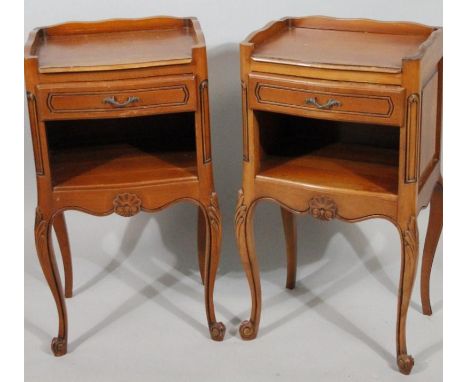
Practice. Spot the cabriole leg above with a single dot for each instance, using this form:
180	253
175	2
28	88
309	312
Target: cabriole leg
434	229
409	262
217	329
45	253
245	240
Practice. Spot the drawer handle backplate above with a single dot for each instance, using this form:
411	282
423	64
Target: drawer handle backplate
326	106
112	101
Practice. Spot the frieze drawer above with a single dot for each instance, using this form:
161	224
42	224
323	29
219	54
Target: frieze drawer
327	99
118	98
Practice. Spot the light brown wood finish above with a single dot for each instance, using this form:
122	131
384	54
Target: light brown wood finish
45	253
342	119
94	46
77	53
434	230
120	131
363	103
290	234
120	165
159	95
325	49
60	228
201	241
245	240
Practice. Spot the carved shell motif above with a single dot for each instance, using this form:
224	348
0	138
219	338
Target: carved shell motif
127	204
322	208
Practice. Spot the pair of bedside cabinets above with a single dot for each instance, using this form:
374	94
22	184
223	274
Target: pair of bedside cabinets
341	120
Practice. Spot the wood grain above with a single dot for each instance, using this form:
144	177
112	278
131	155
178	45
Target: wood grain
78	47
60	228
155	95
291	95
355	151
434	229
119	126
119	166
290	235
331	167
325	49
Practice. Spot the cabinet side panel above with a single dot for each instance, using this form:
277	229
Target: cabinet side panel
429	145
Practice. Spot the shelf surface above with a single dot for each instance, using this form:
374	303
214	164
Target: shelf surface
115	50
332	48
337	166
120	165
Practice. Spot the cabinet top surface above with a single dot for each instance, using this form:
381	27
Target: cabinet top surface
115	44
332	43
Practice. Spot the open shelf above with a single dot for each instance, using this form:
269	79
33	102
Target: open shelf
328	155
331	167
124	152
120	165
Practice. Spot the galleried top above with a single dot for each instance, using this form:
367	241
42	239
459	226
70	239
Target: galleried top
114	44
330	43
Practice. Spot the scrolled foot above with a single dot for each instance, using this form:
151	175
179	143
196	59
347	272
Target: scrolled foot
405	363
217	331
247	330
59	346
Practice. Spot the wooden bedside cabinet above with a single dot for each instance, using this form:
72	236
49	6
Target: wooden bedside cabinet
342	119
120	124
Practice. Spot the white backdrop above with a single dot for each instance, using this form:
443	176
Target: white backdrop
171	234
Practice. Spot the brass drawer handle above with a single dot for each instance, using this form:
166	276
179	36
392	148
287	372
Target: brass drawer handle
112	101
326	106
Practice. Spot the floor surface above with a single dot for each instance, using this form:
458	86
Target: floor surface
138	313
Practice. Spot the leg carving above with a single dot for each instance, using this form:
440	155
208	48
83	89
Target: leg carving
290	233
46	257
410	246
217	329
245	240
434	229
60	228
201	239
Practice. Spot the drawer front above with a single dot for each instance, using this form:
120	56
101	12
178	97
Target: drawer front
327	99
118	98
